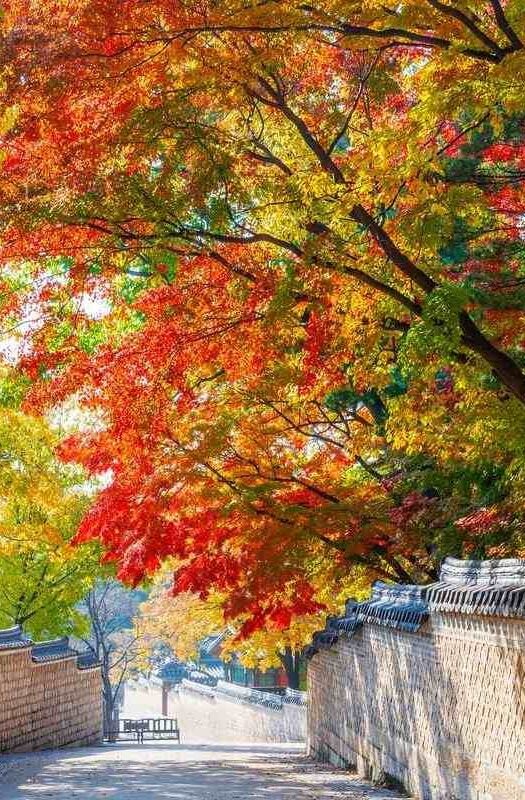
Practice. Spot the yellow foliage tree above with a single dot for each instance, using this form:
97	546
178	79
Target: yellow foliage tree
42	576
181	622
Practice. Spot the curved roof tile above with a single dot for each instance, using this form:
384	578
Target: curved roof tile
495	588
12	638
53	650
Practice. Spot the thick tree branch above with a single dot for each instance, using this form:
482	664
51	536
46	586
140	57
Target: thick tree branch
504	367
467	22
505	26
277	100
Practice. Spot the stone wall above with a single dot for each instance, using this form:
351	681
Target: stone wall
141	698
212	714
428	686
48	696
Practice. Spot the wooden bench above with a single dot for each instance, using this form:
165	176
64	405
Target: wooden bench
150	728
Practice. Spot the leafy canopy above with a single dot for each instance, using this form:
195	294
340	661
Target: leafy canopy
278	249
42	575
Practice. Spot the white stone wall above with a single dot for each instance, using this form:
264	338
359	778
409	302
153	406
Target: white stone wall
442	711
142	699
210	716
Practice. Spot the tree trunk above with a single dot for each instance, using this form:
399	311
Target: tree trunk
503	366
107	694
291	661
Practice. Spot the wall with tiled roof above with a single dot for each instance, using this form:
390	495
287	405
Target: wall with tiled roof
222	713
50	695
427	684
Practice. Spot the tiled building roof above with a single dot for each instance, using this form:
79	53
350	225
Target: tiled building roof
210	643
172	671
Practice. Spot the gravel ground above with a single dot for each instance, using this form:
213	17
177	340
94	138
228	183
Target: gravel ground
163	770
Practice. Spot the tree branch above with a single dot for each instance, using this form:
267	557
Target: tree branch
505	26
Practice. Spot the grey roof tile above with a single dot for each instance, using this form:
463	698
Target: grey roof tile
87	660
495	588
11	638
53	650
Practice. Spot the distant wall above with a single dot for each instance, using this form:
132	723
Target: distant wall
142	698
434	698
211	714
46	699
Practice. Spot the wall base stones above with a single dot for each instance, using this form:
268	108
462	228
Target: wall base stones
46	701
441	709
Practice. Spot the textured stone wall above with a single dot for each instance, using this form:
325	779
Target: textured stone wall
208	715
441	709
51	703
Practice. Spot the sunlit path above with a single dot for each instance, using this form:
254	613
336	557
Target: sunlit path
190	772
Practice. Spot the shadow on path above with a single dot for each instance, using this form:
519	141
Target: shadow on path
195	772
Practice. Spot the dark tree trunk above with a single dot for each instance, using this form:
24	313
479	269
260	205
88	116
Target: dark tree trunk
109	708
291	661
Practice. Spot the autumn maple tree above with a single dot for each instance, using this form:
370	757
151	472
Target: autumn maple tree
278	249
